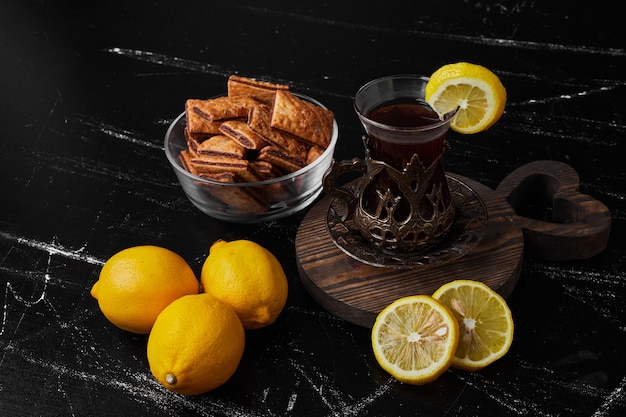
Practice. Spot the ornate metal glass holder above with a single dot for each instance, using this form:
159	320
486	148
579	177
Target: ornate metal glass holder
466	232
410	212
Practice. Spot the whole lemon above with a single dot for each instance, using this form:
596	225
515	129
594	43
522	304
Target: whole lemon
196	344
137	283
247	277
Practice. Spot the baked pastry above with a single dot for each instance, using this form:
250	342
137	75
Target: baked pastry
220	108
303	119
240	132
195	122
262	91
243	170
281	159
259	119
221	146
314	153
243	201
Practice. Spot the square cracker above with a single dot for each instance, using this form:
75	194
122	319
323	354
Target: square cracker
196	123
244	170
303	119
244	201
195	139
280	159
262	91
222	146
259	120
185	159
240	132
221	108
314	153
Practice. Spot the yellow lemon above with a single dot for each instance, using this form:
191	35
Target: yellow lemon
247	277
414	339
485	322
196	344
137	283
475	90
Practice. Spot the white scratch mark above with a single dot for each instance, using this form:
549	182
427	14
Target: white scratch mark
42	295
4	315
175	62
615	397
479	40
509	399
65	395
292	401
561	97
142	386
129	137
336	401
54	248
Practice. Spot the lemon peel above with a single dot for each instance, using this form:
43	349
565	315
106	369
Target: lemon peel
475	90
137	283
249	278
196	344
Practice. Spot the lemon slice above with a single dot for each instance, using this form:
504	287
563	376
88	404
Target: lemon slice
414	339
485	323
474	89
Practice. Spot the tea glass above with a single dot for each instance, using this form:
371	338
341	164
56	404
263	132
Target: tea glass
402	201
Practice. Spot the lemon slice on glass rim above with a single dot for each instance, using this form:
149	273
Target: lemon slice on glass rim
475	90
485	323
414	339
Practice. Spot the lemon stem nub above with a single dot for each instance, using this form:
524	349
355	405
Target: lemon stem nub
170	379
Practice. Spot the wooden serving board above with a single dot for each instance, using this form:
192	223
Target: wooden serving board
577	226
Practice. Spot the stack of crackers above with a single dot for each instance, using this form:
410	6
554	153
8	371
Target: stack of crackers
259	131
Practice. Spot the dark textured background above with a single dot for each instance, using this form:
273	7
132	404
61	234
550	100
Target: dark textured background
87	92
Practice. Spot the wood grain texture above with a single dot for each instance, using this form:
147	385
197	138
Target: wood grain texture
578	227
357	292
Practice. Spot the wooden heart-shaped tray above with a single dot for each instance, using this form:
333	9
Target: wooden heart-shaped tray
537	210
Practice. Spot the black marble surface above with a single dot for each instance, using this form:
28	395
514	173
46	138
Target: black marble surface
87	92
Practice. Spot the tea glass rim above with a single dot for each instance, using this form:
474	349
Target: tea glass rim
444	119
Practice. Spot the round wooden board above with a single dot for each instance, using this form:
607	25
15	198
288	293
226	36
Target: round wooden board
357	292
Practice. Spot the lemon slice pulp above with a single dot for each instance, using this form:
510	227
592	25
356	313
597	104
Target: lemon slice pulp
414	339
485	322
475	90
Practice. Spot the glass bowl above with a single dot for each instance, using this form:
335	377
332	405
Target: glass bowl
283	196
